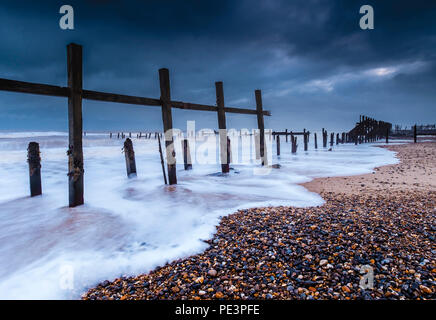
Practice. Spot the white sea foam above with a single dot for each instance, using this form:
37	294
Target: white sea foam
132	226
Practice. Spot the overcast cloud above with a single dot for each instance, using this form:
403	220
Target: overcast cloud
315	66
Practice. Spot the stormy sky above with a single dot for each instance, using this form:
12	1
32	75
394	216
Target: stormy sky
314	64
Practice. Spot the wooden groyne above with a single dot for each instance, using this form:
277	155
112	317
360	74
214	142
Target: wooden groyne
75	93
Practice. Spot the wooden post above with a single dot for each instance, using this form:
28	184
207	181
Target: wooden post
130	158
387	134
34	160
162	160
278	144
294	143
305	140
110	135
415	136
324	138
229	152
260	125
225	165
316	141
75	125
165	96
286	134
337	138
186	154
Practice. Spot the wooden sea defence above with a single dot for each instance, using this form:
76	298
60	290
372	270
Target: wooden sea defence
366	130
369	130
75	93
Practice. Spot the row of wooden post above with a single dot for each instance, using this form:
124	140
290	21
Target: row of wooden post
140	135
369	130
340	138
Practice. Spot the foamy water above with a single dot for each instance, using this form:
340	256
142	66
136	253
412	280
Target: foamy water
130	226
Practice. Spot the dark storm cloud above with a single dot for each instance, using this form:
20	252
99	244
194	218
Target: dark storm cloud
314	64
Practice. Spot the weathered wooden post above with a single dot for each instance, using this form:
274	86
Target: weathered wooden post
130	158
294	143
34	160
305	140
278	144
186	154
343	138
110	135
75	125
162	162
316	141
337	138
260	124
387	134
415	136
165	96
286	135
225	165
332	135
229	152
324	138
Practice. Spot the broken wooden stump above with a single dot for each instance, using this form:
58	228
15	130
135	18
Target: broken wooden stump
324	138
34	160
294	143
415	136
278	144
186	154
306	140
75	126
130	158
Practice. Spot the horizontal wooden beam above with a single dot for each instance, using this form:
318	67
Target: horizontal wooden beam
119	98
192	106
33	88
50	90
204	107
283	133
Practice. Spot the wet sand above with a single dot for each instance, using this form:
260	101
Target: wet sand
415	172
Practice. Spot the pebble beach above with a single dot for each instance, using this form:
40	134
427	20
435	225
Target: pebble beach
385	220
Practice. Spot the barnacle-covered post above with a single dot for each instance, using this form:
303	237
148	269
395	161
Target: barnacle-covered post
75	151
